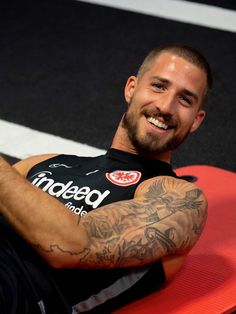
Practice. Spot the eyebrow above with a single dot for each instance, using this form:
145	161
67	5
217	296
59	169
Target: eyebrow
191	94
168	82
162	79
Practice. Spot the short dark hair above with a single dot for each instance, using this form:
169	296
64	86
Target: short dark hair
188	53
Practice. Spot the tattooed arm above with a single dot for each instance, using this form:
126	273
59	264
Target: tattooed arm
165	218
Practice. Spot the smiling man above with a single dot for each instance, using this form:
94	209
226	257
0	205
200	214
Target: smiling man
168	94
95	233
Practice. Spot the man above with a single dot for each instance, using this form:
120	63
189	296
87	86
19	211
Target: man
128	222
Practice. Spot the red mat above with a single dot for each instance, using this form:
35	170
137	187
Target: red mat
207	281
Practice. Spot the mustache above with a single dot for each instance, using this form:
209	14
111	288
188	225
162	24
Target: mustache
157	113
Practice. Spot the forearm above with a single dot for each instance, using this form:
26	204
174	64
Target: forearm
40	219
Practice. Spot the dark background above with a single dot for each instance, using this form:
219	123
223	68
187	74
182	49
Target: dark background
64	65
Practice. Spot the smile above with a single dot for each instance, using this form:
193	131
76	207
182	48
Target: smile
157	123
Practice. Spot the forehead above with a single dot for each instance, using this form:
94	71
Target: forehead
177	70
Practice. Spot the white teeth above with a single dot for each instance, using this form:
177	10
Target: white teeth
157	123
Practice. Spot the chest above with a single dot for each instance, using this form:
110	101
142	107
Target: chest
84	187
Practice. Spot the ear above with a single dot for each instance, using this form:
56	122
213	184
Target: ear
129	88
198	120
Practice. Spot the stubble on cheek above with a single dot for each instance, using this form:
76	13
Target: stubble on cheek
145	142
150	142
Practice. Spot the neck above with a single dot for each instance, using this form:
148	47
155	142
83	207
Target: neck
122	142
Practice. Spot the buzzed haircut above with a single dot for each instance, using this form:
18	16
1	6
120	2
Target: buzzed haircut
188	53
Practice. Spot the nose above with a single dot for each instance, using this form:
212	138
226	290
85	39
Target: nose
166	105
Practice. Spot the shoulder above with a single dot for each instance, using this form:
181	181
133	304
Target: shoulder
161	185
182	202
174	192
25	165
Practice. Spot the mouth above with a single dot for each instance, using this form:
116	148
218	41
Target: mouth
161	125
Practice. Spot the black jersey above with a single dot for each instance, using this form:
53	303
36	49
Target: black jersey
84	184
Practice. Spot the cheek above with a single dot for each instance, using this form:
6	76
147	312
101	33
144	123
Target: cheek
143	98
186	119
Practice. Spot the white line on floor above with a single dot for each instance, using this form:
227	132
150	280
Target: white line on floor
178	10
20	142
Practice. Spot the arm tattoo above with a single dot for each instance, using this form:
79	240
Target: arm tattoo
167	218
164	222
53	248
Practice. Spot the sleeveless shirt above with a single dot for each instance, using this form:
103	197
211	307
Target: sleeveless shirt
84	184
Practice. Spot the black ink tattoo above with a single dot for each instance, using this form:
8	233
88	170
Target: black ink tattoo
167	219
148	219
105	256
56	248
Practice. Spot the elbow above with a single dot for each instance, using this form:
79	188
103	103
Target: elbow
203	214
58	256
63	252
199	221
195	218
58	261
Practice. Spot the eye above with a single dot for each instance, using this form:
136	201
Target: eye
158	86
185	100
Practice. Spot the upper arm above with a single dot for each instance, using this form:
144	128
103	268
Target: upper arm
23	166
179	208
166	217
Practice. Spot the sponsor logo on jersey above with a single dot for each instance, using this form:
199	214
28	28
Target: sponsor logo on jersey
123	177
76	210
68	190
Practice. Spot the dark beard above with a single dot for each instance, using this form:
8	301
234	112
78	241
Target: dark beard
150	144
